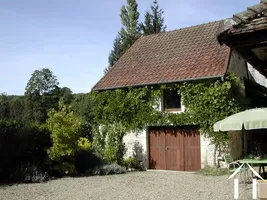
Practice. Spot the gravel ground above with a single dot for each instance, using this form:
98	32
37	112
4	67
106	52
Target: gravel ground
154	185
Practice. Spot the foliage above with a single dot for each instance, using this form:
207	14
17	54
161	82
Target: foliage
12	107
210	102
139	157
128	34
88	162
154	20
20	146
115	148
41	82
24	138
4	106
33	174
129	163
213	171
131	29
17	108
137	160
66	94
113	168
129	19
42	94
206	102
39	105
109	169
120	111
84	144
108	141
66	137
99	139
82	106
115	53
134	111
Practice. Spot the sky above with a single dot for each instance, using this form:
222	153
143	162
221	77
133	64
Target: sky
73	38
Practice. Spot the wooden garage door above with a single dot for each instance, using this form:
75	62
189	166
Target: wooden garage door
174	148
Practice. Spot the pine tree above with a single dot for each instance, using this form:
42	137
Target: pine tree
129	33
147	27
115	53
154	20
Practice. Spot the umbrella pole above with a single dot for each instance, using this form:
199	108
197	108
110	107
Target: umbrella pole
244	141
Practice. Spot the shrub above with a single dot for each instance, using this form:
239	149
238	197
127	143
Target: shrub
84	144
213	171
88	162
113	168
28	173
108	142
66	137
138	159
34	174
129	163
21	144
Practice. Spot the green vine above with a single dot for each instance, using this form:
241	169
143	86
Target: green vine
206	102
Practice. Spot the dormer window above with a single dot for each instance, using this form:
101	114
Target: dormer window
171	100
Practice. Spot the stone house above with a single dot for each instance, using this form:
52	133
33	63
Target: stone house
187	54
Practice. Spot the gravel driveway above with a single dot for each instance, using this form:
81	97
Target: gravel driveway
152	185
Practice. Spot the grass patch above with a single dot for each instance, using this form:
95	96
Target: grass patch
213	171
5	185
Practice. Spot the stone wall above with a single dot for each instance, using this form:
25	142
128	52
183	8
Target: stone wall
131	138
207	152
207	149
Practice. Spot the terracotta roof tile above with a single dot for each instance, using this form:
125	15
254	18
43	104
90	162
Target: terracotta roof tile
173	56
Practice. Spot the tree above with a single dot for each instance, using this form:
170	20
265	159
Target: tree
82	106
66	94
130	31
65	128
43	94
4	106
154	21
41	82
115	53
16	108
128	34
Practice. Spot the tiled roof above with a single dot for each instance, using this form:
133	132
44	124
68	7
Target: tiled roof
253	19
179	55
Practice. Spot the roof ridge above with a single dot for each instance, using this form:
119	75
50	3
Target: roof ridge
183	28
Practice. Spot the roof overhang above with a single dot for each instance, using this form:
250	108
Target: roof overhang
246	33
165	82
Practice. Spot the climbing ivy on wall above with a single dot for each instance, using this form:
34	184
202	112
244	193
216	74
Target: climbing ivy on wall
206	102
212	101
133	108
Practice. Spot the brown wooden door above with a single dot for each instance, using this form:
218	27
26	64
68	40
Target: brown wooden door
192	150
174	148
157	149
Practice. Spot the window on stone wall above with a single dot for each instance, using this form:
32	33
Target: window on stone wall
171	100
